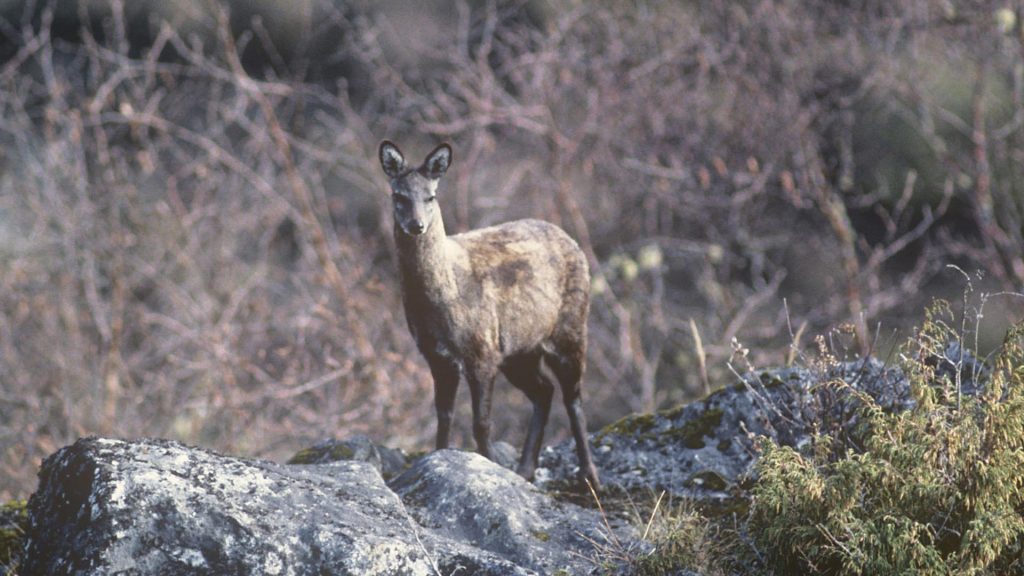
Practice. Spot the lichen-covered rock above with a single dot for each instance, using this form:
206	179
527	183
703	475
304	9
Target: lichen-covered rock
159	508
464	497
706	450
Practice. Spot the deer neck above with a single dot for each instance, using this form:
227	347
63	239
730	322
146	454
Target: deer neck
425	265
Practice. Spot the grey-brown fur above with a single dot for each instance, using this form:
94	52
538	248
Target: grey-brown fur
498	299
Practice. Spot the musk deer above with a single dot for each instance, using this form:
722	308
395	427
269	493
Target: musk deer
499	299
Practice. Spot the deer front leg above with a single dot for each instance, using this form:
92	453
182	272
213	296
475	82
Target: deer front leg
446	383
481	384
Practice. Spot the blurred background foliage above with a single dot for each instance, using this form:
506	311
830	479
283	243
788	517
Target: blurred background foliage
195	236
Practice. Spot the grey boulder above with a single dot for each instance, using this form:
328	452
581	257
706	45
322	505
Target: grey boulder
155	507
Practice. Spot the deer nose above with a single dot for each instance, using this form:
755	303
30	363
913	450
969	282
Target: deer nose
417	227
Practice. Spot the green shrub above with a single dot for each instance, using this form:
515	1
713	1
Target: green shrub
938	489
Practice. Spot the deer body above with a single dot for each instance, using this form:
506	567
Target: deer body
499	299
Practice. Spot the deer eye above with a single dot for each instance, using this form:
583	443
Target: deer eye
431	199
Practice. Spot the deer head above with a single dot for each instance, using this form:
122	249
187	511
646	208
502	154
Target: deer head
414	191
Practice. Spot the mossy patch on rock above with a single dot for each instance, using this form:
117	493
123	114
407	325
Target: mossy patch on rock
13	518
708	479
712	398
771	380
642	427
634	424
673	413
327	453
388	461
693	431
304	456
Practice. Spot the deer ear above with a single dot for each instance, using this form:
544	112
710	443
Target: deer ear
391	159
437	162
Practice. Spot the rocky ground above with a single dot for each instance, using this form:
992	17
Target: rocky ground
706	450
108	506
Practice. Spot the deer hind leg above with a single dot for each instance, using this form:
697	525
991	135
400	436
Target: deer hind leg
446	383
568	368
525	374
